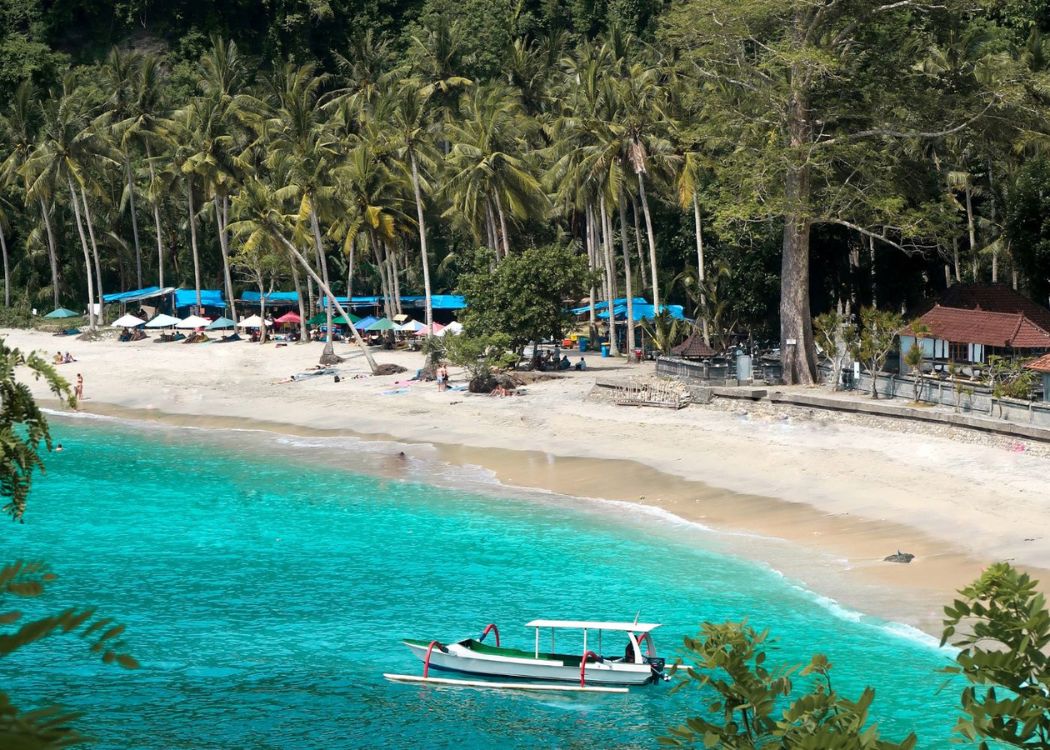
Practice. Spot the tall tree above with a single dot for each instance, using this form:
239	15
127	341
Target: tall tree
781	85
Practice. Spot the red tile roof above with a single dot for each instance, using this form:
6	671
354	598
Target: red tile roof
693	346
978	326
998	298
1040	365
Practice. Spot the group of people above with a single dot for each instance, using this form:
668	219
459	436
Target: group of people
62	359
548	361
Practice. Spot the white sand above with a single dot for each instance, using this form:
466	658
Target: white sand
960	503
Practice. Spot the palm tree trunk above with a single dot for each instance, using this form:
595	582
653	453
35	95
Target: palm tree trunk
52	254
262	311
610	274
193	243
328	355
955	260
7	270
224	241
972	229
591	266
503	226
384	280
871	259
156	224
304	334
642	267
395	274
701	272
327	290
94	251
350	273
490	226
652	241
628	291
134	220
87	255
427	301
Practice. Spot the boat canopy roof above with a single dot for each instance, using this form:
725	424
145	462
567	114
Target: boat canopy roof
632	627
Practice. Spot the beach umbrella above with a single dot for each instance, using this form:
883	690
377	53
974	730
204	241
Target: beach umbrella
339	320
318	320
253	322
193	321
383	324
62	312
289	317
438	328
220	324
455	328
163	321
363	323
128	321
412	326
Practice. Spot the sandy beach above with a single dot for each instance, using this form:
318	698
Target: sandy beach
821	497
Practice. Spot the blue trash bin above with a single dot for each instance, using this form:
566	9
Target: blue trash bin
605	350
582	341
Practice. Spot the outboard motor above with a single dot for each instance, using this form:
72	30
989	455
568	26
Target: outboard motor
656	664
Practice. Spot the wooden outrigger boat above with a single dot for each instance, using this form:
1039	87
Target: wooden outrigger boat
589	670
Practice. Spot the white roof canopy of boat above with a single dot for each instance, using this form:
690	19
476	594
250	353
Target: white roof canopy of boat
627	627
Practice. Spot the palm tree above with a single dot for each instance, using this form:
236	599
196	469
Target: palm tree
488	180
217	123
67	144
259	219
412	136
18	128
138	124
119	73
688	188
296	134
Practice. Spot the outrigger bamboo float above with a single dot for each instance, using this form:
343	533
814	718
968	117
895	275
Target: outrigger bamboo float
588	671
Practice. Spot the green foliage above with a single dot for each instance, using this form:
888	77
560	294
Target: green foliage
23	427
524	296
1028	225
1002	630
837	337
480	356
665	331
915	355
747	700
1009	378
50	727
878	333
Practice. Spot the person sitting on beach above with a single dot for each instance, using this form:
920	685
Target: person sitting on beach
564	364
581	365
57	359
68	359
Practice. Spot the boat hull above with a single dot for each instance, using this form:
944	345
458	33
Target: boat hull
458	657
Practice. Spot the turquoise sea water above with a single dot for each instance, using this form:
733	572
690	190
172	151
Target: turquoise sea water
265	592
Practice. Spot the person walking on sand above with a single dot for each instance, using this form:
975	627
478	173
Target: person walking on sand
78	391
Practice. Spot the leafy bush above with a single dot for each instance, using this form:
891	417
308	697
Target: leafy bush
480	356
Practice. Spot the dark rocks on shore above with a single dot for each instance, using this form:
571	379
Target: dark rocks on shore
900	557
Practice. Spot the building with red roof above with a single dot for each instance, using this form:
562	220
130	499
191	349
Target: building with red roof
971	322
1042	366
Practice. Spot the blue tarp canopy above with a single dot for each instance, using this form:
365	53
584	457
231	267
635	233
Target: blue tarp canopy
438	301
271	297
617	303
138	294
363	324
644	311
209	298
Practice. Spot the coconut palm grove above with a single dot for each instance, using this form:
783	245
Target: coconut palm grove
758	162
